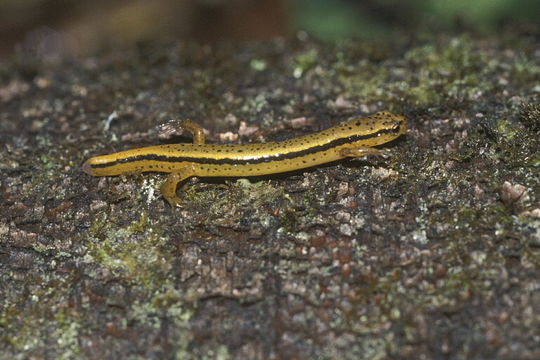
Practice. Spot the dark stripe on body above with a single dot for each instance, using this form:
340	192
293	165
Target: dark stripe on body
232	161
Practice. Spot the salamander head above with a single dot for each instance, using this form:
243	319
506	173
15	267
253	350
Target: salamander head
390	123
378	128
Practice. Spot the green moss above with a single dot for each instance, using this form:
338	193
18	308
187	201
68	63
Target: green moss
258	64
529	114
133	252
67	335
444	73
507	130
47	171
305	62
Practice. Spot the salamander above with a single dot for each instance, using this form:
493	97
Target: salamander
353	138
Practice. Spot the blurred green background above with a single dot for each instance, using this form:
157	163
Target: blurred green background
335	19
50	28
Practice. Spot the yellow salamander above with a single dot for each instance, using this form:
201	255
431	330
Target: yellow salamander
351	139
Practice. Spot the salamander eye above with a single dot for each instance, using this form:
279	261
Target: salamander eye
395	126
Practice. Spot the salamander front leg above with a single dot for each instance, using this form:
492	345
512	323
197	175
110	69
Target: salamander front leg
184	125
168	189
357	151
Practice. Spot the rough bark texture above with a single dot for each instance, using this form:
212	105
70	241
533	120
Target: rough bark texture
433	252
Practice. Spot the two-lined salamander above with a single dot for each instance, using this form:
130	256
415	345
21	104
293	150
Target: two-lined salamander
350	139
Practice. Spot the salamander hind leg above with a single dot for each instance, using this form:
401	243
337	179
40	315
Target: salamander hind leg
358	151
195	129
168	189
184	125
